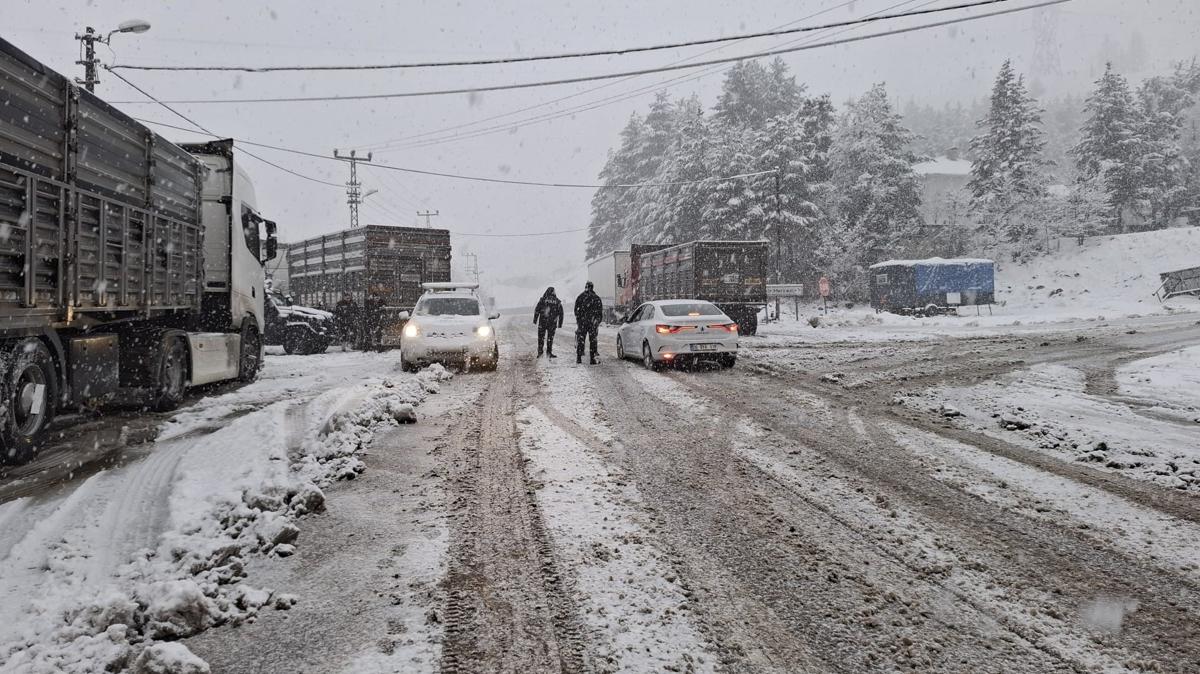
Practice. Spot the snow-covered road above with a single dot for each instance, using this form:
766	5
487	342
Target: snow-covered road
849	505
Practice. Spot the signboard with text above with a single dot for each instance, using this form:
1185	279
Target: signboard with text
785	290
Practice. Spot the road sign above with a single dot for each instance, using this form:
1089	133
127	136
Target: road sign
823	286
785	290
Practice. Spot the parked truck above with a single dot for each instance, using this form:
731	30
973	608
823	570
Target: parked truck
933	286
730	274
387	261
126	261
615	279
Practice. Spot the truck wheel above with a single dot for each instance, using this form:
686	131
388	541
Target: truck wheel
30	390
250	358
752	322
293	342
172	375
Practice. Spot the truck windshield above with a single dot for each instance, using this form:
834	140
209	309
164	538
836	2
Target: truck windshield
692	308
448	306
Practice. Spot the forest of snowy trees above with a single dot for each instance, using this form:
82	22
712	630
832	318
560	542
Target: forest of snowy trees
834	190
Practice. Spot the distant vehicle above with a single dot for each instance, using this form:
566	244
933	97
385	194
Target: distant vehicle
614	277
390	261
299	330
127	262
665	332
449	325
730	274
933	286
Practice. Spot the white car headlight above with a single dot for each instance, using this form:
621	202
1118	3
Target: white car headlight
484	331
411	329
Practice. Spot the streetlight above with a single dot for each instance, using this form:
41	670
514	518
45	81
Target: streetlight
89	38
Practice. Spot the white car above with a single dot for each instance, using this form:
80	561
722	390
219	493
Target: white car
674	331
449	325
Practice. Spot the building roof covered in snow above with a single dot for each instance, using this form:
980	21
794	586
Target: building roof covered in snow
931	262
943	166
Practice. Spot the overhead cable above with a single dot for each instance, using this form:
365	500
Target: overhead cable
567	55
606	76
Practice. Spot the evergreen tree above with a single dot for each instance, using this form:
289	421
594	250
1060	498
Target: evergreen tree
751	94
1008	167
878	193
610	205
1111	144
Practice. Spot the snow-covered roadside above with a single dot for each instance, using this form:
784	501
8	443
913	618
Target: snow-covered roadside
1111	520
1169	383
107	577
1047	409
631	600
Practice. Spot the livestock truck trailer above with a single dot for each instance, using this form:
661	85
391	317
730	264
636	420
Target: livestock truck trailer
730	274
391	262
127	262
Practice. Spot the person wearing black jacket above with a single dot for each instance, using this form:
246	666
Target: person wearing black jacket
549	317
345	320
589	311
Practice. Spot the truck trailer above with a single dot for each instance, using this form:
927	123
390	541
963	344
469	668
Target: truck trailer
932	286
730	274
391	262
126	261
609	274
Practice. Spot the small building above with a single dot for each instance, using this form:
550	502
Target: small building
931	286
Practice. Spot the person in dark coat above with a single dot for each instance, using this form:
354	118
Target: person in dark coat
549	317
373	322
589	311
345	319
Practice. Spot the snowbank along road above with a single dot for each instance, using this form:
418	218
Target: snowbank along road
1001	502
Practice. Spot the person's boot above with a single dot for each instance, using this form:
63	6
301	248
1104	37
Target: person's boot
578	358
539	353
592	360
551	354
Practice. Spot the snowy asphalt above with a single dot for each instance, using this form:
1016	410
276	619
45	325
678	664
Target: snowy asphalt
928	505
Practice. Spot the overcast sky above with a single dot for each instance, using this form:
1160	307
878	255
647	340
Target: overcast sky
943	64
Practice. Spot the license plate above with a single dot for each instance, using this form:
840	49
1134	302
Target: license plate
704	347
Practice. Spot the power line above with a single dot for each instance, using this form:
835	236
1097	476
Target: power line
607	76
567	55
602	102
483	179
210	133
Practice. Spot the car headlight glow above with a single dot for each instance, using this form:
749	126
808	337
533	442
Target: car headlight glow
484	331
411	329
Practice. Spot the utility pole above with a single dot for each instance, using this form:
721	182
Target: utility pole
426	215
353	187
89	62
89	38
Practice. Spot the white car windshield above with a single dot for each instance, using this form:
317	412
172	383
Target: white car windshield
690	309
448	306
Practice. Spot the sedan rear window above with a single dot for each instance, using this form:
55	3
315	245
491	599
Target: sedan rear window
693	308
448	306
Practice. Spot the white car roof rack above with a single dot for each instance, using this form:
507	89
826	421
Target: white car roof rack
450	286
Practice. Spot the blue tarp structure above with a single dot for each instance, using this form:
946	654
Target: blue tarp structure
904	285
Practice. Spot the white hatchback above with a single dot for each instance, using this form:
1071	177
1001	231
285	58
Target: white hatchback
449	325
677	331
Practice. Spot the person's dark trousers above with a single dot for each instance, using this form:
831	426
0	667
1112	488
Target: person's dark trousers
590	334
546	337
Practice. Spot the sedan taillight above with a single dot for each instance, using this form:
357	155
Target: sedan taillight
731	327
672	329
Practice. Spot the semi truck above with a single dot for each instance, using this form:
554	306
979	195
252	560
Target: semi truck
614	277
730	274
127	262
387	261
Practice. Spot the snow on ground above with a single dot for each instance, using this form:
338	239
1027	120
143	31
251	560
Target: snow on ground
1112	520
916	544
1169	383
631	600
1106	278
98	578
1047	409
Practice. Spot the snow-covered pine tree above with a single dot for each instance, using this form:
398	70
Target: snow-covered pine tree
1111	143
680	207
752	94
1166	173
1008	167
610	206
878	193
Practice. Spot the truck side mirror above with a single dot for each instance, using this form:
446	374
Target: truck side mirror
272	241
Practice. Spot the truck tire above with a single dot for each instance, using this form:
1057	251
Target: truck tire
293	342
27	409
752	322
251	356
171	382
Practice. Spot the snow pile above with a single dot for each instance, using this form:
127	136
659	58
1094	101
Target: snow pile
235	492
1170	383
1107	276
